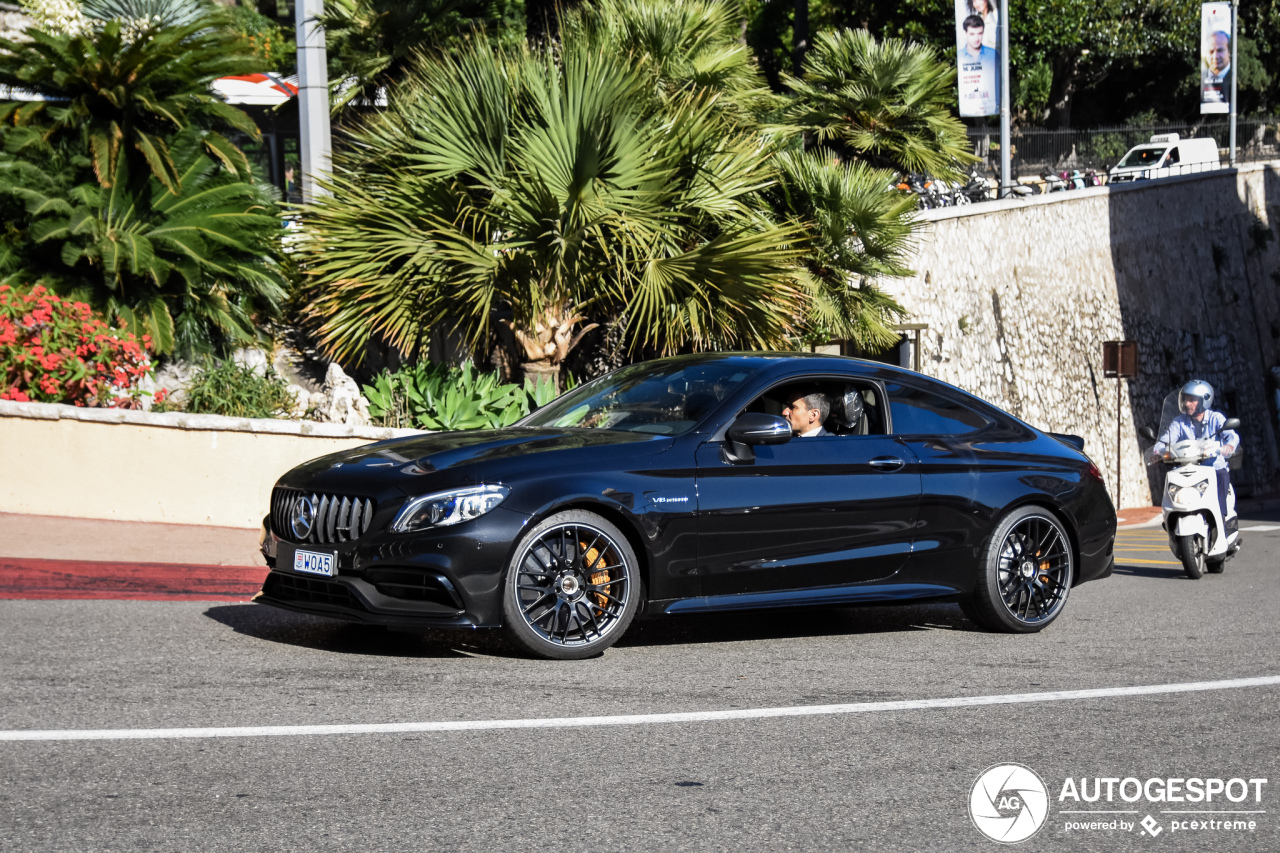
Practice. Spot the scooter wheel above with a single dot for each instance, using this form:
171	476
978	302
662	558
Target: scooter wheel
1191	553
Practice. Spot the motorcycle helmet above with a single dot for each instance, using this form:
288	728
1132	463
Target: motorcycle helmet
1198	390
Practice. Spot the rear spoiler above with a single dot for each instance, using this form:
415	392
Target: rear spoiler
1072	440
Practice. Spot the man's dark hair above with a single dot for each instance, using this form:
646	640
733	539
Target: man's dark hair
973	21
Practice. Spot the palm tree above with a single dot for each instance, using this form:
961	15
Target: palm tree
859	234
195	269
887	103
688	45
122	95
539	190
371	43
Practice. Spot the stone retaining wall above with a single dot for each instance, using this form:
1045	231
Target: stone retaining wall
1019	297
171	467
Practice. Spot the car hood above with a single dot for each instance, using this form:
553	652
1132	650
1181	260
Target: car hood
415	463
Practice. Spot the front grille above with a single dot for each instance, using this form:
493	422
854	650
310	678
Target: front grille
309	591
338	518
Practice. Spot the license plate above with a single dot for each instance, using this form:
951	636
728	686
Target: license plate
313	563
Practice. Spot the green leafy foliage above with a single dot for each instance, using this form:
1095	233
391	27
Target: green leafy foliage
686	46
887	102
859	233
554	185
120	99
439	397
193	270
371	44
238	391
264	38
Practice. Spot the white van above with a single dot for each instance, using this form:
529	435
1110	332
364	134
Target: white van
1166	155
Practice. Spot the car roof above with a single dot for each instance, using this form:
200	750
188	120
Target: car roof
775	366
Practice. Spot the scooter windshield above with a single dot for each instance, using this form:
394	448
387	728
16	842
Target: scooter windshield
1173	431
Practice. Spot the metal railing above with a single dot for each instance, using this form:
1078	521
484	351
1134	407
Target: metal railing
1034	151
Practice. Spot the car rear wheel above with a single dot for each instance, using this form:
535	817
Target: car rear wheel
1026	572
572	587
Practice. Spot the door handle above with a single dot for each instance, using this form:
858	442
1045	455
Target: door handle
886	463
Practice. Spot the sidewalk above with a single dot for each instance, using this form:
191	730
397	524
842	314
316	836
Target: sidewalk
50	557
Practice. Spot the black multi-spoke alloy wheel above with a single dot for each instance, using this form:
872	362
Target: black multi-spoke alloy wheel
1026	572
572	588
1191	553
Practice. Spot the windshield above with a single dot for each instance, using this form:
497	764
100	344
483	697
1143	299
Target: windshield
1146	156
661	398
1176	426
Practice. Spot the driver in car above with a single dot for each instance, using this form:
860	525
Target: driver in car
1198	421
806	411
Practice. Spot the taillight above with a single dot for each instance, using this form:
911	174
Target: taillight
1094	472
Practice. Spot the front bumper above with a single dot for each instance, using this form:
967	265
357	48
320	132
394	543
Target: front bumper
447	577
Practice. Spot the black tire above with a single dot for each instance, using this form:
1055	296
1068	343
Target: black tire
572	587
1025	575
1191	553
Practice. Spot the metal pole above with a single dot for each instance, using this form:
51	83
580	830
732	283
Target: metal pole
1235	72
1005	178
1118	381
313	97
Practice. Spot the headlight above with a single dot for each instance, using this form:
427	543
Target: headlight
1187	494
445	508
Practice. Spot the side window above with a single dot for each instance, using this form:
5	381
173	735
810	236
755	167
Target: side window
850	408
917	412
1173	157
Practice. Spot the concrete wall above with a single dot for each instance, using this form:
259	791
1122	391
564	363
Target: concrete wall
1019	297
135	466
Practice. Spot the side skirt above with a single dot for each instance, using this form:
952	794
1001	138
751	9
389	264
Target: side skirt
853	594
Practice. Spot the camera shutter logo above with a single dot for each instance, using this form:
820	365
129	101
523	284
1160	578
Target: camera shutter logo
303	516
1009	803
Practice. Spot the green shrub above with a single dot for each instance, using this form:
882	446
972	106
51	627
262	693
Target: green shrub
227	388
439	397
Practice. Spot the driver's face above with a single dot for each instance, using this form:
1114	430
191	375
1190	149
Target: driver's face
1191	406
799	416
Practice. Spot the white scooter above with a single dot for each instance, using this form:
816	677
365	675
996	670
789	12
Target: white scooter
1198	534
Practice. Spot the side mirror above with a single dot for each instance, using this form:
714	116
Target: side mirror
759	428
1231	423
751	429
1148	433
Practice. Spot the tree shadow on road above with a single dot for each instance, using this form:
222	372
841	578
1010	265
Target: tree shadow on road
332	635
789	623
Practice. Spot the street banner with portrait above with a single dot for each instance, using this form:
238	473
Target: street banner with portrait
1215	58
977	58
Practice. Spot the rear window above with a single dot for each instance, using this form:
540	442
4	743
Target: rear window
919	412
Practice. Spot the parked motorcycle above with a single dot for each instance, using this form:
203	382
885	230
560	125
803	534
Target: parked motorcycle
1053	183
1199	536
977	189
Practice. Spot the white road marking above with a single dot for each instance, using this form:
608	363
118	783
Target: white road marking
1260	528
638	719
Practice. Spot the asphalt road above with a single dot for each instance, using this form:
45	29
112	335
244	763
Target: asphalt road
874	780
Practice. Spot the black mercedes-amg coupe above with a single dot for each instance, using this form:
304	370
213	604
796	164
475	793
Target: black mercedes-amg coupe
694	484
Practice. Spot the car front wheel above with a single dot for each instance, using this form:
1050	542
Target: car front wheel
572	587
1025	574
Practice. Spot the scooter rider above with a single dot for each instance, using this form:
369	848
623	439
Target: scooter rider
1198	421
